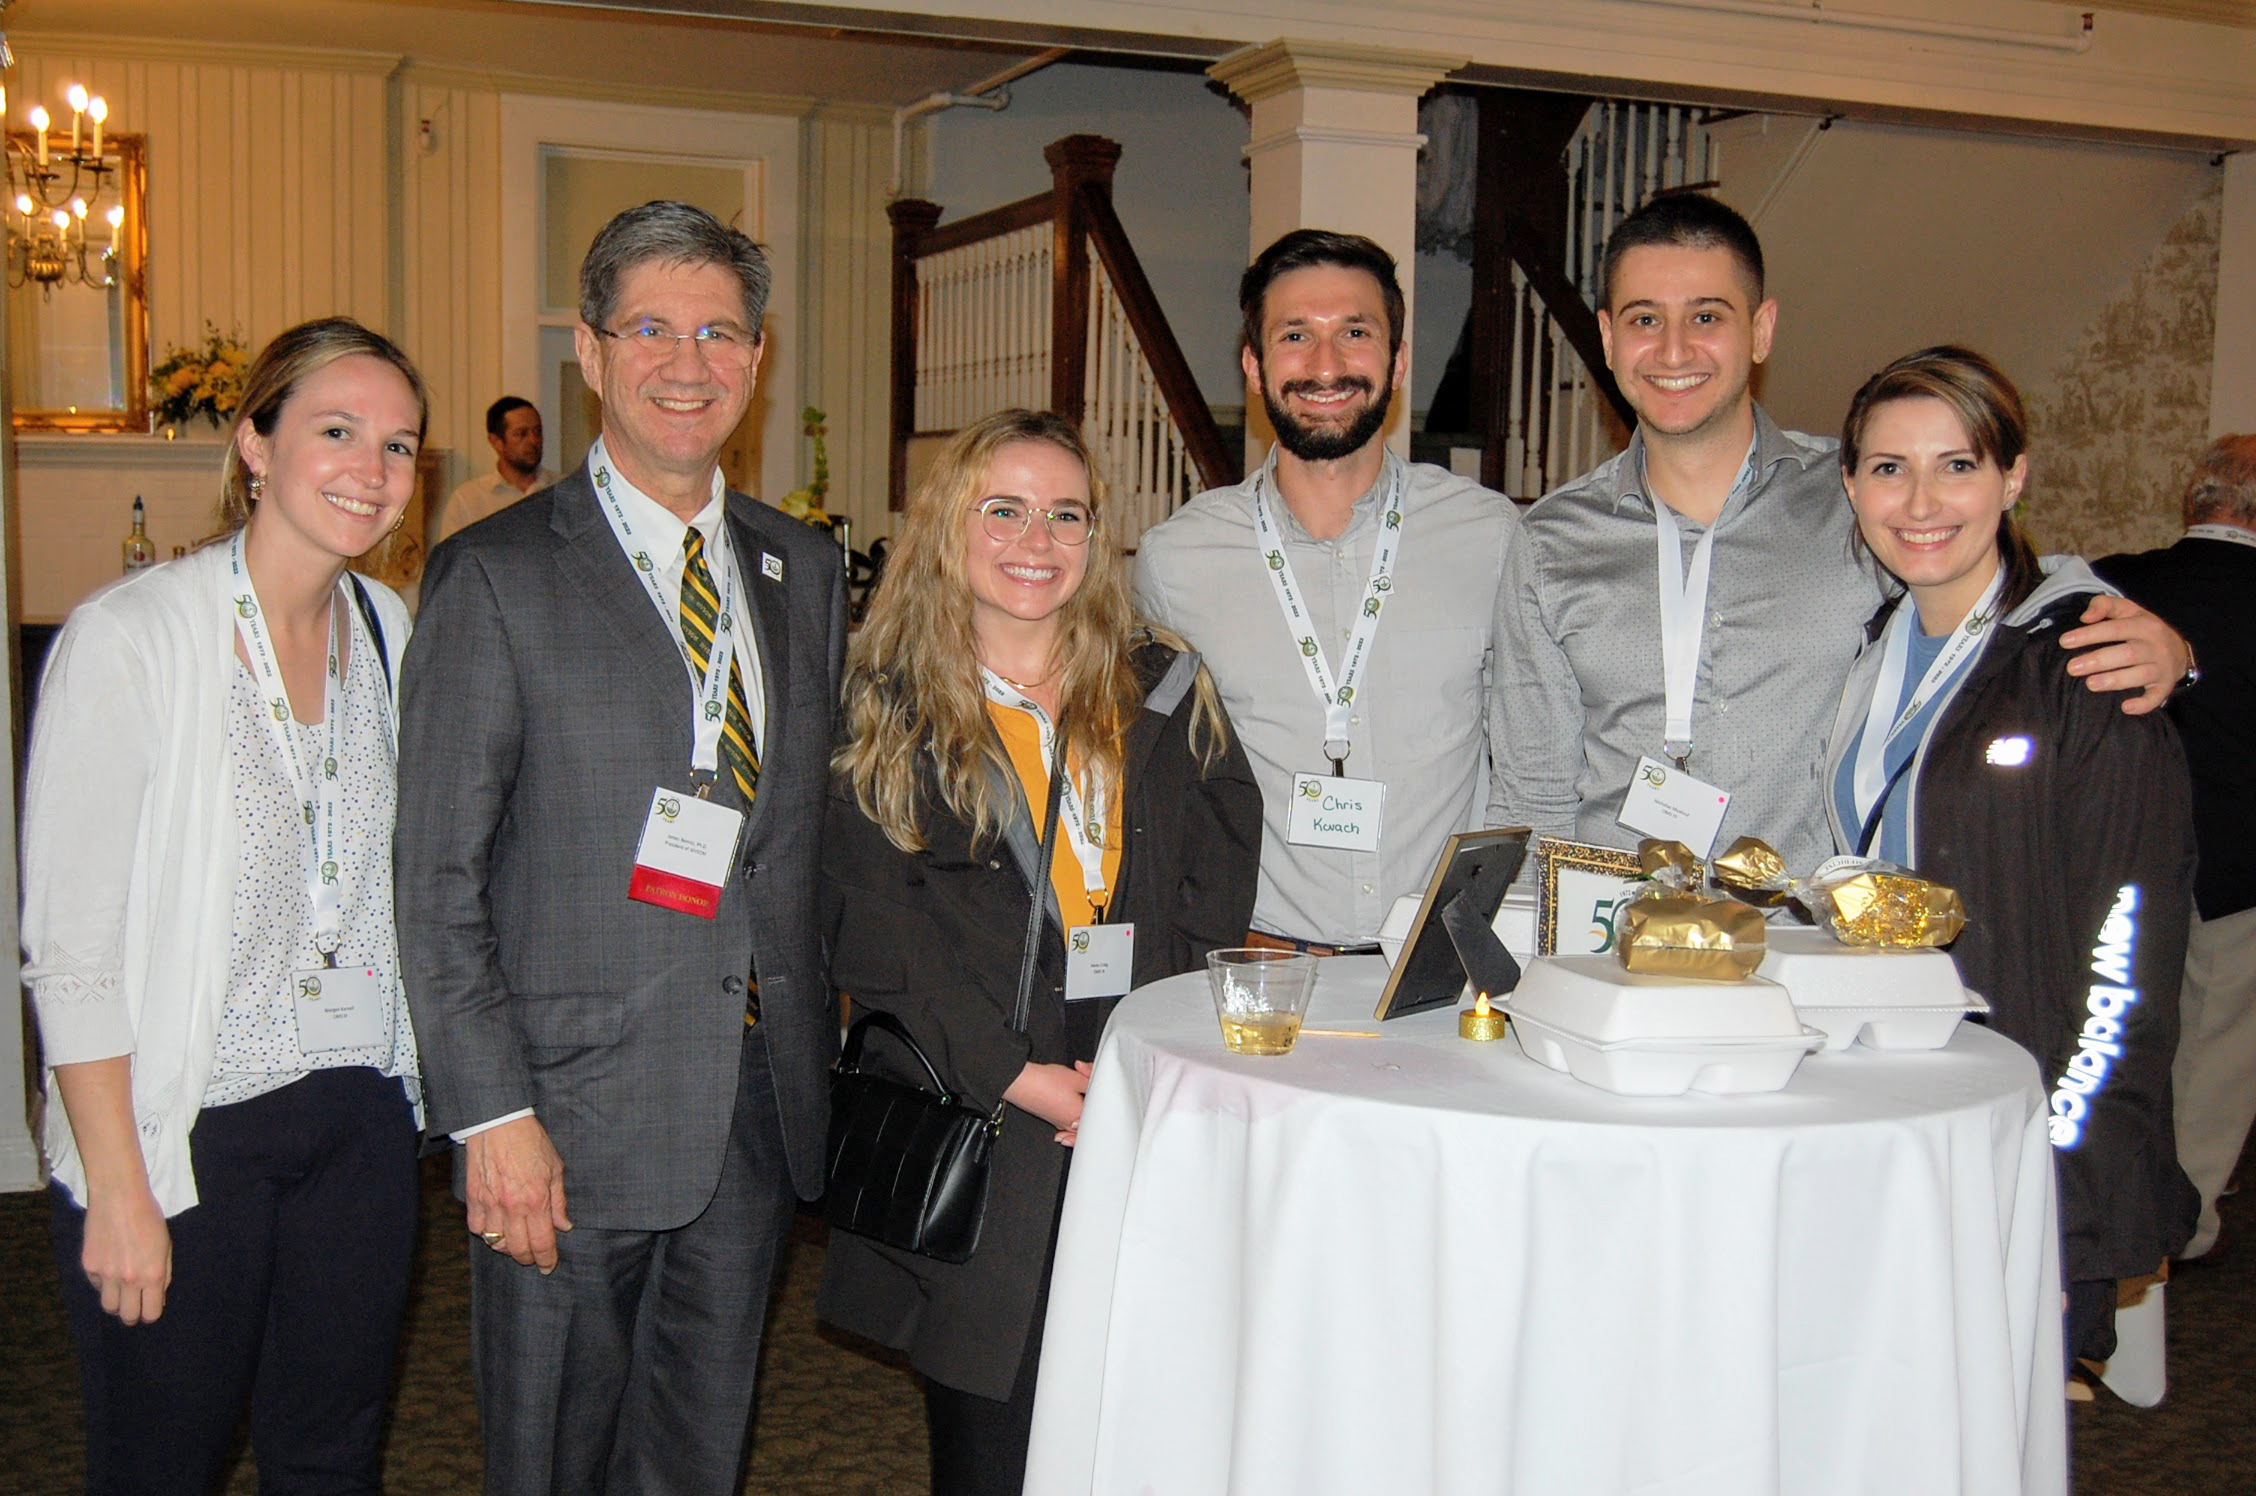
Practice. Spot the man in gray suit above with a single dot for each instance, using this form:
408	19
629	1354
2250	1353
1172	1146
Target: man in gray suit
614	727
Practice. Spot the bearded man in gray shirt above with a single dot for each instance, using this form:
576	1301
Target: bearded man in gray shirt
1342	599
1716	660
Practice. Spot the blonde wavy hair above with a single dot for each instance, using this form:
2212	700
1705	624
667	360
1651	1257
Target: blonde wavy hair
913	690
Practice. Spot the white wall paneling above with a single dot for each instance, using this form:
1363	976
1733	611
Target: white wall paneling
766	147
267	179
450	250
2232	380
846	269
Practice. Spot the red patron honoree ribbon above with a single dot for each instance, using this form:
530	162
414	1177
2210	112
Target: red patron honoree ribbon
688	846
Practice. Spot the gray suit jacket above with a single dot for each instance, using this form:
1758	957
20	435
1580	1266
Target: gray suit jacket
542	700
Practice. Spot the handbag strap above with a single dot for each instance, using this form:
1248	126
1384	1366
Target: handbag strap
850	1057
1032	950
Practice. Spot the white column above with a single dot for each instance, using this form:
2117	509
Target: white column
19	1159
1335	146
2232	378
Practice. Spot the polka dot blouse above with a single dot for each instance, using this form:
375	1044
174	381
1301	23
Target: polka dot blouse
257	1048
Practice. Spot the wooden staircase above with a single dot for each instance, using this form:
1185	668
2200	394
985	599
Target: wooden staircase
1042	303
1557	172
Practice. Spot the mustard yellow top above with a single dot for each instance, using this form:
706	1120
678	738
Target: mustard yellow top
1022	740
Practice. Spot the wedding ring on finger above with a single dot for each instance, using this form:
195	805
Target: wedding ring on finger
493	1239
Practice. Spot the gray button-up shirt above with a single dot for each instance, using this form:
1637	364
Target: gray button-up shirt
1419	723
1577	695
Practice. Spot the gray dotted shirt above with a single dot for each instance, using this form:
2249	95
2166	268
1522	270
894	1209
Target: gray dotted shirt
1577	696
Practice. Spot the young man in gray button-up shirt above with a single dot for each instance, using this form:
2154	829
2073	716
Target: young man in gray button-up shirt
1324	352
1577	695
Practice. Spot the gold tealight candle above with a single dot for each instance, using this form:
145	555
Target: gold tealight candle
1480	1022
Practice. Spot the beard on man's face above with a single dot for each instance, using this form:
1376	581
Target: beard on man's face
1313	443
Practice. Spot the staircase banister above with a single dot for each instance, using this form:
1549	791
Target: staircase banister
979	227
1575	318
1177	386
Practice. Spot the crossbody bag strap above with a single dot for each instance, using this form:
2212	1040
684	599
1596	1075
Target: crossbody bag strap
1032	952
367	606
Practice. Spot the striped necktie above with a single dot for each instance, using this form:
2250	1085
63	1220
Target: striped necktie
700	618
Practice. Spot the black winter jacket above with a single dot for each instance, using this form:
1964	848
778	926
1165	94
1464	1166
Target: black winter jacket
2201	588
2067	828
934	939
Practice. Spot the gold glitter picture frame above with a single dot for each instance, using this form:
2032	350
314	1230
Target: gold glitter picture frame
1587	885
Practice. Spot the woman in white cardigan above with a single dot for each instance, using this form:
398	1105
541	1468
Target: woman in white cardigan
231	1079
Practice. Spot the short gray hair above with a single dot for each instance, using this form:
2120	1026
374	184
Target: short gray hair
2224	483
674	234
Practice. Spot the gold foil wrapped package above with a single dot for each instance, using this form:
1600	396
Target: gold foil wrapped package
1670	864
1883	905
1684	935
1750	869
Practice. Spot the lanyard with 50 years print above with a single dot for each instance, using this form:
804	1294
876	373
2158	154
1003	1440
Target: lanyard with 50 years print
319	785
1336	693
711	710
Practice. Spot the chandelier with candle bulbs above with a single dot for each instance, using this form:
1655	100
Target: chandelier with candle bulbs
60	228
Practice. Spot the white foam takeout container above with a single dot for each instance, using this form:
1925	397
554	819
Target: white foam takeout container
1640	1035
1889	999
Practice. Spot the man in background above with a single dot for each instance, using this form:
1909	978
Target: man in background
513	429
2200	586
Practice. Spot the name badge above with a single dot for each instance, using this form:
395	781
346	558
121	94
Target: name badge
688	846
1099	961
1328	811
340	1008
1666	802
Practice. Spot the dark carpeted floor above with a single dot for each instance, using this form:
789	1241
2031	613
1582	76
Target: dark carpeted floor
835	1422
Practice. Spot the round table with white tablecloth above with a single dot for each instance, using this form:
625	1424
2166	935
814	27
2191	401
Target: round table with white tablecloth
1412	1263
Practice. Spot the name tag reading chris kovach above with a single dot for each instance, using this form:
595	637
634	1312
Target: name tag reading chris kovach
688	846
1328	811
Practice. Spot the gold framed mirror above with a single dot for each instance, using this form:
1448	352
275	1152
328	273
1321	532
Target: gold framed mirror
78	306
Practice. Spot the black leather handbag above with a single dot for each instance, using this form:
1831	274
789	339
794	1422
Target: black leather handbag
908	1166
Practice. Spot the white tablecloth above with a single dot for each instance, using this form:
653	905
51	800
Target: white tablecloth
1378	1267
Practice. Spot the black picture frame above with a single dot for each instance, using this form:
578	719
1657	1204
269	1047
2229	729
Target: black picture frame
1471	875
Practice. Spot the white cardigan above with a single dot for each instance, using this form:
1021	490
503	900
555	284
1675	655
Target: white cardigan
129	844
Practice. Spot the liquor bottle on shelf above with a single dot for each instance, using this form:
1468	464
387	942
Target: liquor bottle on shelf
140	551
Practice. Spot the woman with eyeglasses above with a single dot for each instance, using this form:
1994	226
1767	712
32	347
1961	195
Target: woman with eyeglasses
1002	638
1963	751
207	853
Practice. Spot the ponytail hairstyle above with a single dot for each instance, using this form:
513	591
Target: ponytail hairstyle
274	376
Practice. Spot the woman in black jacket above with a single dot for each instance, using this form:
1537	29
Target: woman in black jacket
1003	620
1962	750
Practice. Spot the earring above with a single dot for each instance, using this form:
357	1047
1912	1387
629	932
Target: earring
258	487
395	529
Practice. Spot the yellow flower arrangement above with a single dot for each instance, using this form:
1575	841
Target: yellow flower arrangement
200	380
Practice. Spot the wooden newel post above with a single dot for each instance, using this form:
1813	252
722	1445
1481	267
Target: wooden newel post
1080	165
913	218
